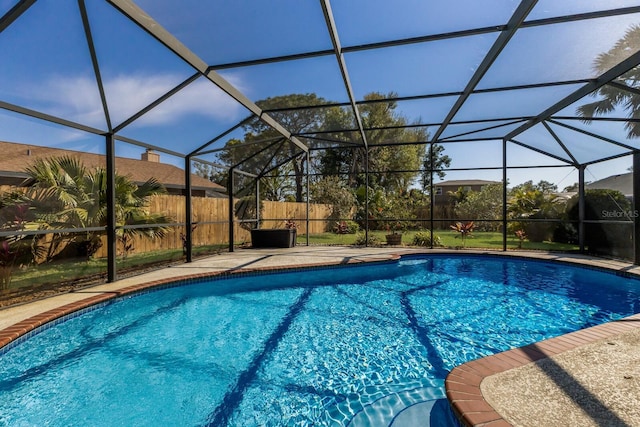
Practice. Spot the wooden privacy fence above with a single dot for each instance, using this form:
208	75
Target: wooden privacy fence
211	216
274	215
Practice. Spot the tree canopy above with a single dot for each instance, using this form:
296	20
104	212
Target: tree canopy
395	154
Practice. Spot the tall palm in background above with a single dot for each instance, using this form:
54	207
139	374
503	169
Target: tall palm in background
625	90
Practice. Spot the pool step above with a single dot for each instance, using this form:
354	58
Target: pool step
404	408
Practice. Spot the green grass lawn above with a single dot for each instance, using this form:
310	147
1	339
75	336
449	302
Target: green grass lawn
74	269
449	239
80	269
62	276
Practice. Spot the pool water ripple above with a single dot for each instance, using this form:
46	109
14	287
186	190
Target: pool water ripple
356	346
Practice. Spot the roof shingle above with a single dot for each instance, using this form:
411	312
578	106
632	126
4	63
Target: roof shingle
17	157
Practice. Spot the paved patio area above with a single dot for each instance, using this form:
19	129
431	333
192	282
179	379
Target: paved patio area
590	377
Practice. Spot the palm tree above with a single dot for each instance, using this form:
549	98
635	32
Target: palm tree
81	196
613	96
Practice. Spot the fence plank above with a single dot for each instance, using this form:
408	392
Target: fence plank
211	216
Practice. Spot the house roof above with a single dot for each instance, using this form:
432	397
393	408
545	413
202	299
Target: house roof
621	182
463	182
16	157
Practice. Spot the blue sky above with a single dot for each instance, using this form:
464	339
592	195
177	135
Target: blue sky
50	70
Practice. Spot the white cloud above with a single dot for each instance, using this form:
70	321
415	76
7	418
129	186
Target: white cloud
77	98
74	99
201	98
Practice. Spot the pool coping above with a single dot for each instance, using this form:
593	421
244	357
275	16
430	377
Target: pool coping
463	382
462	385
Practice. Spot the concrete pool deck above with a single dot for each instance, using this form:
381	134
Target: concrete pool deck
587	378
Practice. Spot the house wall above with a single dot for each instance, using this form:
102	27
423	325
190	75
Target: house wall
445	198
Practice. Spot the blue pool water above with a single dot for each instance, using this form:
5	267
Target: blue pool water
351	346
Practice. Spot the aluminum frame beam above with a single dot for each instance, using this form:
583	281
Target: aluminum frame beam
591	134
148	24
622	67
94	63
14	13
110	198
335	40
560	143
518	17
49	118
149	146
540	151
198	151
157	102
431	37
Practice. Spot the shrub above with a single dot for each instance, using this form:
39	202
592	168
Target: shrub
535	202
333	191
346	227
361	240
606	238
423	238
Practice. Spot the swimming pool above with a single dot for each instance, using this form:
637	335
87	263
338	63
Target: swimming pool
357	345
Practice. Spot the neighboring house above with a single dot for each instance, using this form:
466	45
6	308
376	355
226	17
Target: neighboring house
15	158
622	183
442	189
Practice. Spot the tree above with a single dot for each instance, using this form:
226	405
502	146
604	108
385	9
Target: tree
80	201
394	156
213	174
333	191
18	214
395	152
612	96
409	207
530	201
259	135
484	204
545	187
435	153
459	196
